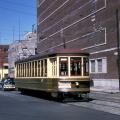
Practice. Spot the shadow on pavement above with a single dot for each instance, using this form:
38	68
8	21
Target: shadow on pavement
47	96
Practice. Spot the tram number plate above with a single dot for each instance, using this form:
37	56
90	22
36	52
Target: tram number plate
64	84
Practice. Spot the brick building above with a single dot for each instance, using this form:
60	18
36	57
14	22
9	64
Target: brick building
3	61
88	25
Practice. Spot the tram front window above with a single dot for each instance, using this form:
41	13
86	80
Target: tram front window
63	66
75	65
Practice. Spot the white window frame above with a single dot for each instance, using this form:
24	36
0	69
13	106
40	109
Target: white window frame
104	65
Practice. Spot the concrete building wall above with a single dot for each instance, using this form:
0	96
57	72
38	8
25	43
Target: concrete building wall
88	25
21	49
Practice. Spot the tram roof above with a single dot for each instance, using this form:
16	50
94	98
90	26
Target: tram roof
59	52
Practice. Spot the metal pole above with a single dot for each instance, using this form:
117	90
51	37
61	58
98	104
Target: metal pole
118	45
0	37
62	36
13	34
19	28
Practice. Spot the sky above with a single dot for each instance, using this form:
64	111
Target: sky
16	18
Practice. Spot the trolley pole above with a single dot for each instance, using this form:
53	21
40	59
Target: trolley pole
118	45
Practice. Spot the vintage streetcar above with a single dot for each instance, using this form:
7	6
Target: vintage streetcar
63	73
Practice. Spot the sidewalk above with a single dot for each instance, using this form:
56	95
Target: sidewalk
107	102
111	97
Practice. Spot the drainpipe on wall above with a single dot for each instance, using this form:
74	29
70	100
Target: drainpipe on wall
118	45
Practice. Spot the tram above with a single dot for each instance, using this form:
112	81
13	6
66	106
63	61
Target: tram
60	73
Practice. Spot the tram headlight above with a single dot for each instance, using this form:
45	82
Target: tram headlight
64	84
77	84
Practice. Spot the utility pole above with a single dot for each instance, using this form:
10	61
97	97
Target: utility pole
118	44
0	37
33	28
13	34
62	36
19	28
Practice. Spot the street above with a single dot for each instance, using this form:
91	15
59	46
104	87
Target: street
14	106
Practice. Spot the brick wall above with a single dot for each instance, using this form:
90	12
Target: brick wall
89	25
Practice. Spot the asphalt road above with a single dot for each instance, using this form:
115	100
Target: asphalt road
14	106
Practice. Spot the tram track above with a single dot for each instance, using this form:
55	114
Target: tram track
100	105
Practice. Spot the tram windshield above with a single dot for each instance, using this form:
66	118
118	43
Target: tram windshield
63	66
75	65
79	66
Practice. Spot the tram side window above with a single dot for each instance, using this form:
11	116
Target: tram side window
35	68
75	65
20	70
41	68
54	66
63	65
17	70
45	62
86	66
24	70
30	70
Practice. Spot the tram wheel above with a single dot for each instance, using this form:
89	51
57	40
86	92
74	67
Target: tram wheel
54	94
61	97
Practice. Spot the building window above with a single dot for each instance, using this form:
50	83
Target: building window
5	75
92	66
5	49
98	65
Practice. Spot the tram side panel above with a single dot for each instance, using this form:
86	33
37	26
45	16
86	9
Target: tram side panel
40	84
54	85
